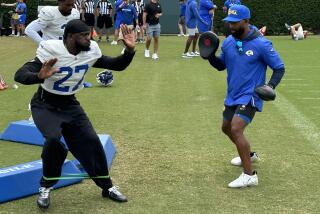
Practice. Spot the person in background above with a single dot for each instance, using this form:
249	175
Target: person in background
89	14
104	11
151	23
117	20
182	18
227	5
19	17
192	17
206	11
296	31
52	21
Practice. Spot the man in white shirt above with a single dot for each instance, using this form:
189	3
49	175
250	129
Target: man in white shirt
59	69
52	21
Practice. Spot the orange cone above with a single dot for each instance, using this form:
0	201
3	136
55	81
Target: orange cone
94	33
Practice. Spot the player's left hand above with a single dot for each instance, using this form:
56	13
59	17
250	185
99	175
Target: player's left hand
129	37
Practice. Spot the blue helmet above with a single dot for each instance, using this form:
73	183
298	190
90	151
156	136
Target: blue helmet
105	78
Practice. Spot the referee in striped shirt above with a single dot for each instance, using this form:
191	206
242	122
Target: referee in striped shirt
104	9
89	17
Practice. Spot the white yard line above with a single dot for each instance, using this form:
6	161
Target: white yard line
309	98
292	79
302	124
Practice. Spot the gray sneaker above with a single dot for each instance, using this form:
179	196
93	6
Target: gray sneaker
287	26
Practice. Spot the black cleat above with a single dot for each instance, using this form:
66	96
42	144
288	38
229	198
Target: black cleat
44	197
114	194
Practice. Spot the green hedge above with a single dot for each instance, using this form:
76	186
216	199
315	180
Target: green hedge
272	13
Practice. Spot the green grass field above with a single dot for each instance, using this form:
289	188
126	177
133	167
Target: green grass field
164	117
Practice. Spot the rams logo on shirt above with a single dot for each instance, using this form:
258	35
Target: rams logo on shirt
249	53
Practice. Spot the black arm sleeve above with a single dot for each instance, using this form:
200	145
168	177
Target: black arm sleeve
217	63
28	73
276	77
115	63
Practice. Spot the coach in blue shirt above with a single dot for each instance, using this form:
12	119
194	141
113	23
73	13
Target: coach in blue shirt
206	11
245	54
230	3
192	18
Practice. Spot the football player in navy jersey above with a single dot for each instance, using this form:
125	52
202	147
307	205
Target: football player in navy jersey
59	69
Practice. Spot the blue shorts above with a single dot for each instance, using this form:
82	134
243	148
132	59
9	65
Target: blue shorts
117	24
204	28
22	19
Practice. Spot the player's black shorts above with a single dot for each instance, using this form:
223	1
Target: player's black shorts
182	20
134	23
89	19
140	19
104	21
245	112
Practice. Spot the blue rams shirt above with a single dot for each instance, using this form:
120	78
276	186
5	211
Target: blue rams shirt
183	7
127	14
21	8
247	70
205	7
192	14
229	3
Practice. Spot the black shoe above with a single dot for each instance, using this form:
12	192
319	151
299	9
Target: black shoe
114	194
44	197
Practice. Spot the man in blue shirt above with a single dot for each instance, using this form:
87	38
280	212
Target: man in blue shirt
182	20
230	3
206	13
245	54
20	15
226	6
192	17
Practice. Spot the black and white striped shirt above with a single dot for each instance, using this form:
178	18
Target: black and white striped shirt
89	6
139	6
78	5
105	7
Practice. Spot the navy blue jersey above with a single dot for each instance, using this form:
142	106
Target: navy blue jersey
246	68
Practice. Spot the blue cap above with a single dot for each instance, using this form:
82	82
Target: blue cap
236	13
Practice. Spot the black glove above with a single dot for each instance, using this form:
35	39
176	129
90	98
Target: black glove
266	92
208	44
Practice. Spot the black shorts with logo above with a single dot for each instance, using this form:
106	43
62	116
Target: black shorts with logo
246	112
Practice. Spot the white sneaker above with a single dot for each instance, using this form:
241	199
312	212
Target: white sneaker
122	52
196	53
237	160
146	53
245	180
187	55
155	56
180	34
114	42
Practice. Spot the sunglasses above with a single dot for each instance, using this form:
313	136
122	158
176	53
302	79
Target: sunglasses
239	46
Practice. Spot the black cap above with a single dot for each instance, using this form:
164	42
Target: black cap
75	26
